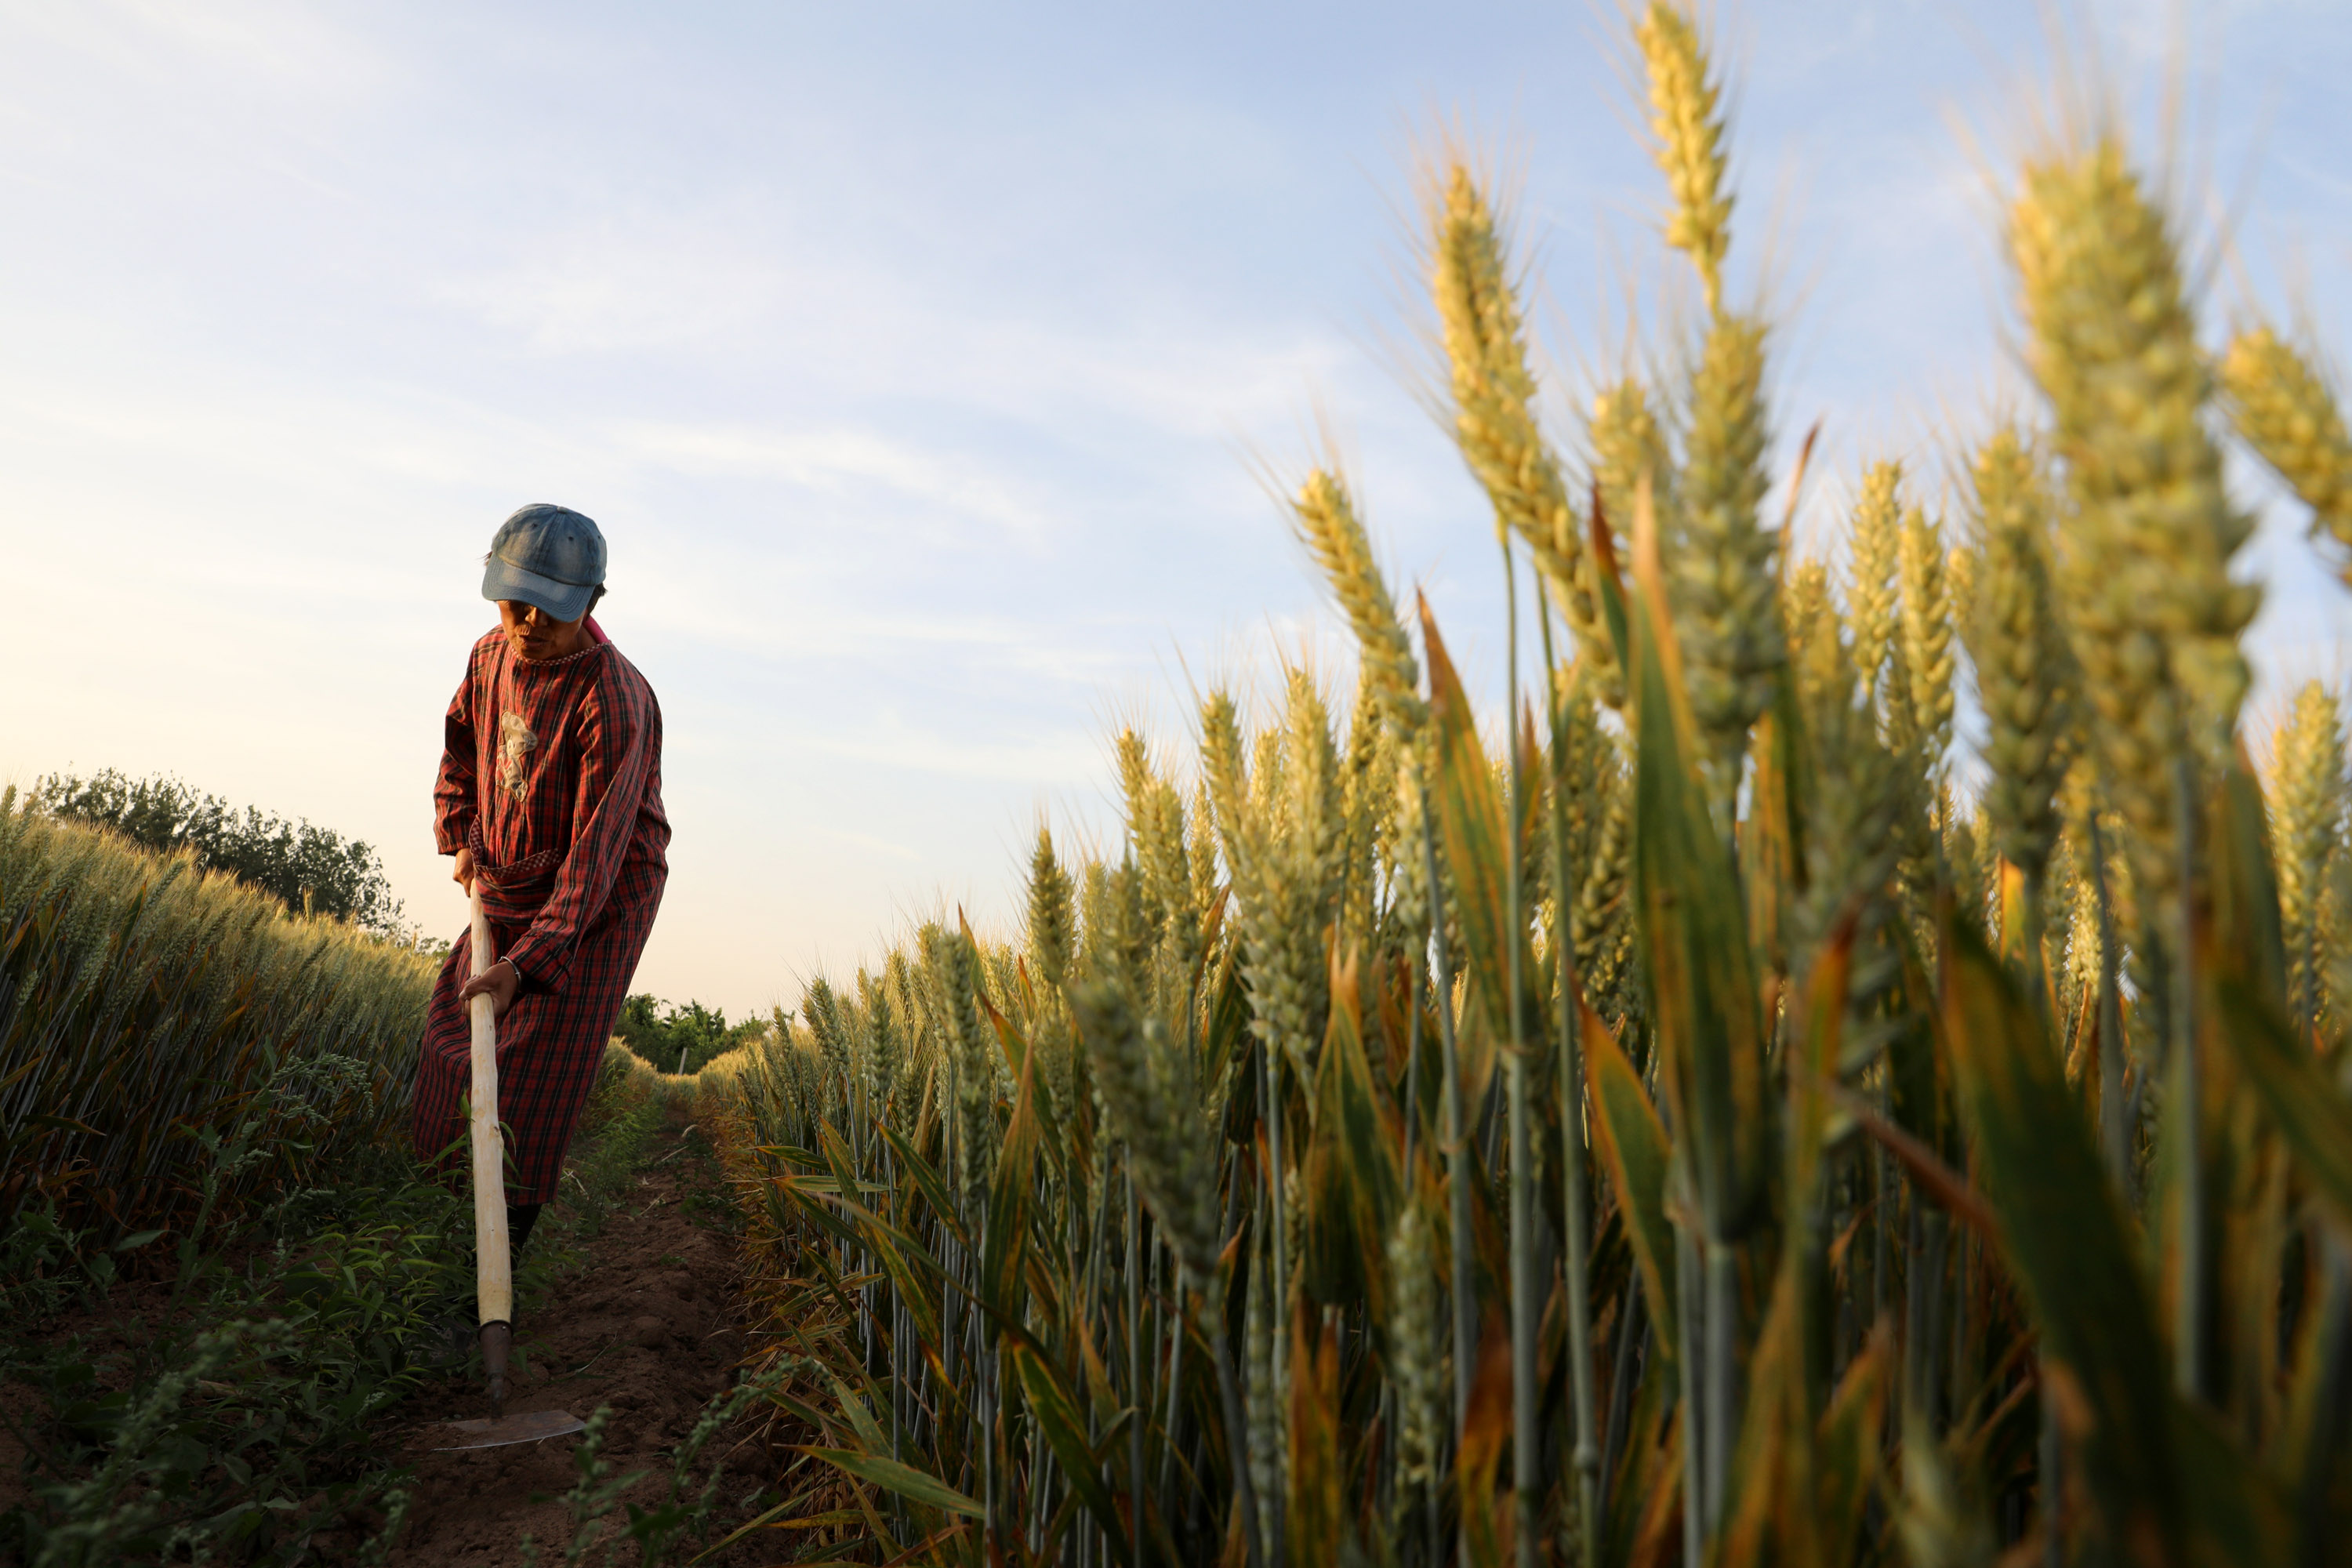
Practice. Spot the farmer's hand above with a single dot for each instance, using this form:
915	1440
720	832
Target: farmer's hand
464	875
498	983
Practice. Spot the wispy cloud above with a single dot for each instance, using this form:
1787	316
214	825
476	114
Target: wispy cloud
1066	757
895	851
844	462
640	281
289	46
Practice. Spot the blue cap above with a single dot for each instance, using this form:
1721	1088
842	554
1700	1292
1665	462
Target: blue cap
550	556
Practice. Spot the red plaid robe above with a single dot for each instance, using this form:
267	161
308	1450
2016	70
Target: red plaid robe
550	773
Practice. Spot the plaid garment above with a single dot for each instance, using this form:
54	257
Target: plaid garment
550	773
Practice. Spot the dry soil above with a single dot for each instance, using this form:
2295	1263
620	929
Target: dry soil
651	1329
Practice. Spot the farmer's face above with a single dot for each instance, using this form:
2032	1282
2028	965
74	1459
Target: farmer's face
534	634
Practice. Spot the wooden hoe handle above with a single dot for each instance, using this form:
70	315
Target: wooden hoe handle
493	1267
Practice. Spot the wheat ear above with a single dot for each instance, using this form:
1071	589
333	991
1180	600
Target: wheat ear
1686	118
2283	406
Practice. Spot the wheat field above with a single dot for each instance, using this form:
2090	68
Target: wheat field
1668	1121
146	1006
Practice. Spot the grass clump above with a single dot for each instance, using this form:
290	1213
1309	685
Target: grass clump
230	1416
234	1413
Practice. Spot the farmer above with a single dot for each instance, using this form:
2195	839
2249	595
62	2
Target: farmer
549	797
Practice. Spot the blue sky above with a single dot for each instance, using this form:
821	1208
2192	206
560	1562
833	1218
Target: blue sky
915	361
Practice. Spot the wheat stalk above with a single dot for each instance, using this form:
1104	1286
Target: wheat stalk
1927	632
1722	583
1052	920
956	964
2285	409
2150	536
1871	595
2307	811
1494	393
2114	346
1686	118
2024	666
1326	520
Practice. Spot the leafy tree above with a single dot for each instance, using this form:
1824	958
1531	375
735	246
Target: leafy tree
679	1039
313	870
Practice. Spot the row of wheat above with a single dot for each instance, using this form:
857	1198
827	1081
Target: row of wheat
1675	1123
146	1006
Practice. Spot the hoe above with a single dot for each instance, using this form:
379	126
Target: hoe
494	1266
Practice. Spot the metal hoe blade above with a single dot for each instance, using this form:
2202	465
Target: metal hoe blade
496	1431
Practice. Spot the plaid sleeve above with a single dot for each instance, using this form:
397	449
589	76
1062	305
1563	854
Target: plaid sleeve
456	806
620	738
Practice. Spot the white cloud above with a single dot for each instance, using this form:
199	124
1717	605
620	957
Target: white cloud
842	461
896	851
1066	757
647	280
289	44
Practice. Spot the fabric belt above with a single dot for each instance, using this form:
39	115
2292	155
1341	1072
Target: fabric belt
512	893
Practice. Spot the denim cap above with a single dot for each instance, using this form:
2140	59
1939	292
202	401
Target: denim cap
550	556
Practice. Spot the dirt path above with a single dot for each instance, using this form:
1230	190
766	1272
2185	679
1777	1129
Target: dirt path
651	1328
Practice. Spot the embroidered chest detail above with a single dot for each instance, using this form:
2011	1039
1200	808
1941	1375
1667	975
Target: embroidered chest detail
516	743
